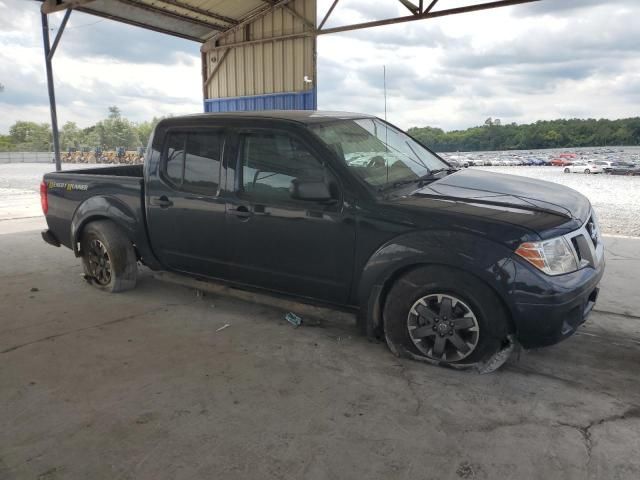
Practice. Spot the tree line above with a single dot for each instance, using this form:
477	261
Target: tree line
116	131
110	133
562	133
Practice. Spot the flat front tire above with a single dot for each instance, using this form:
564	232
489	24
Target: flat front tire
444	316
108	257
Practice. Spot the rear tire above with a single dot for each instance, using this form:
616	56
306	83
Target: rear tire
443	316
108	257
566	170
587	171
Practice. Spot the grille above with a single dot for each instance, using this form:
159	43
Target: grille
586	243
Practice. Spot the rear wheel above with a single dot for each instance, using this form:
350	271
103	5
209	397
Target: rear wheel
108	257
444	316
587	171
567	170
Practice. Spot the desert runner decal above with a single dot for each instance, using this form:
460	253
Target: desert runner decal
67	186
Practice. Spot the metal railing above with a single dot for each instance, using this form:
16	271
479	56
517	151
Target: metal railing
26	157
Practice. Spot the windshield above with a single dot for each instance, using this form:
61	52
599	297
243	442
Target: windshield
377	152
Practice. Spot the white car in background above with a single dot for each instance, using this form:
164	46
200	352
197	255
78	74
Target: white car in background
583	167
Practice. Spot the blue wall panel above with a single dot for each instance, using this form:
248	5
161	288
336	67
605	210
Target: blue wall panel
275	101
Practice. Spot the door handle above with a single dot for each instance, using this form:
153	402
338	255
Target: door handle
162	202
241	211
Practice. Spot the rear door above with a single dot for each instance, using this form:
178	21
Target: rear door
186	215
300	247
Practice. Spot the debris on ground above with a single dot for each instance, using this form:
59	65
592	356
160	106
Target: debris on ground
293	319
223	327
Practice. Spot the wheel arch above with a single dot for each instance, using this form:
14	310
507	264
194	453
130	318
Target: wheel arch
102	208
380	272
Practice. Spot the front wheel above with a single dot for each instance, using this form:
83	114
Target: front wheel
447	317
566	170
108	257
587	171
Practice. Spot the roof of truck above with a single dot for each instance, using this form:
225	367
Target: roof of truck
300	116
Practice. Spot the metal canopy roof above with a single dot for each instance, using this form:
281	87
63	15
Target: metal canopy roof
202	20
195	20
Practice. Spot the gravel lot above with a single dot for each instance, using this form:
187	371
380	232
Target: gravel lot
615	198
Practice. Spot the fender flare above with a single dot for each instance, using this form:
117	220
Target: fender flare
471	253
102	207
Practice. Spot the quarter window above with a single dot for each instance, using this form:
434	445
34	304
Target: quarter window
193	160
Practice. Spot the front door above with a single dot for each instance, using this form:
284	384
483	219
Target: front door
276	242
186	215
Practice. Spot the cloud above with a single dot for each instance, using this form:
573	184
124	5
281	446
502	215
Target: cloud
98	63
127	44
562	7
548	59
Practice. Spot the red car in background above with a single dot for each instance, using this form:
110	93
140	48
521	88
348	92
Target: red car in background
561	161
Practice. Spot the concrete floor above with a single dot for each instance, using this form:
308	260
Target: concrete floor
142	385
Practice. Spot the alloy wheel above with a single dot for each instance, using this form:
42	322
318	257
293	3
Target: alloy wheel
99	262
443	327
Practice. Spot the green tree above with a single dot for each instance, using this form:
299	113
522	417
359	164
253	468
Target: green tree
70	136
144	130
30	136
116	131
6	144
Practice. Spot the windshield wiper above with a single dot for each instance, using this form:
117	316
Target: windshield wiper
430	175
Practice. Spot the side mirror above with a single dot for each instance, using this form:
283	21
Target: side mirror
313	190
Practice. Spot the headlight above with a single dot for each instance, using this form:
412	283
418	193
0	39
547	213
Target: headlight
553	257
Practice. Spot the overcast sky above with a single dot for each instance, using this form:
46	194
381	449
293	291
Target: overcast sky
551	59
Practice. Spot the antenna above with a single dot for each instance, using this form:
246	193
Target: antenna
386	130
384	84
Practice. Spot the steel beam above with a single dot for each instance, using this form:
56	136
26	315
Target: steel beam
328	14
52	94
431	5
307	23
259	12
216	67
425	15
51	6
175	16
134	23
67	14
415	9
199	11
289	36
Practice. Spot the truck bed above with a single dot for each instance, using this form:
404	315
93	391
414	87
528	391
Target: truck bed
114	171
74	195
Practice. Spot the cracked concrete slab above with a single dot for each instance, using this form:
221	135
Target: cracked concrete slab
144	385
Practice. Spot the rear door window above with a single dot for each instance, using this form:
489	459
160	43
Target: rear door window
192	160
174	158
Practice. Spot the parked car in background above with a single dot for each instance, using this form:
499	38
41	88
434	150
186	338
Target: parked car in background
561	162
625	169
583	167
606	165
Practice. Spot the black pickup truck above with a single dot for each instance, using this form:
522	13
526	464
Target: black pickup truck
450	267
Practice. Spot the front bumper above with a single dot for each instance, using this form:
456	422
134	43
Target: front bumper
548	309
541	325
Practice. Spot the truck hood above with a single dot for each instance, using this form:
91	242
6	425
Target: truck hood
543	207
